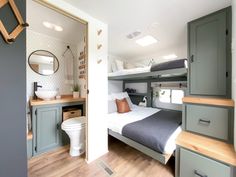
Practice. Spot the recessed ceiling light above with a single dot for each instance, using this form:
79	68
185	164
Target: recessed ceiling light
171	56
52	26
146	41
48	25
58	28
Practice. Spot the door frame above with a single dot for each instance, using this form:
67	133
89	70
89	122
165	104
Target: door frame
80	20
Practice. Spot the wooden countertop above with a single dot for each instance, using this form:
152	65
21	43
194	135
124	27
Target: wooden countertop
30	135
63	99
212	148
209	101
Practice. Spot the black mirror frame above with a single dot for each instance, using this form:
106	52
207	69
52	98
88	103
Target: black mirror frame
51	54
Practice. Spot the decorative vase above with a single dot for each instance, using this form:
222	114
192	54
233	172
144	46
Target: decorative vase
75	94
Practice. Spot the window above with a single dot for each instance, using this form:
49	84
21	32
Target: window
170	96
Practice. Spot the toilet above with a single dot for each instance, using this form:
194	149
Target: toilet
75	129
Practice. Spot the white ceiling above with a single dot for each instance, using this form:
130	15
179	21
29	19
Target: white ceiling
36	14
166	20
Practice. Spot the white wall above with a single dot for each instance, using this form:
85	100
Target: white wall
180	51
37	41
97	143
234	63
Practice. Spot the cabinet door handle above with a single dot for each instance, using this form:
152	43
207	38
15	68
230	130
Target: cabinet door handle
205	122
192	59
58	126
199	174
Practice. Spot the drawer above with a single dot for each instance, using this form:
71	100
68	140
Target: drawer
71	114
210	121
195	165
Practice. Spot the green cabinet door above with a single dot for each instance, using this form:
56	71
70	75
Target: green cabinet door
207	55
48	122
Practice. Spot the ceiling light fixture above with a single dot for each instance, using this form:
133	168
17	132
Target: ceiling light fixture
171	56
146	41
52	26
48	25
58	28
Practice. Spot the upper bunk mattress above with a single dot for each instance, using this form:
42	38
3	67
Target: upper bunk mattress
116	122
174	64
130	71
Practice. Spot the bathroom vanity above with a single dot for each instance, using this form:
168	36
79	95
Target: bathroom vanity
47	117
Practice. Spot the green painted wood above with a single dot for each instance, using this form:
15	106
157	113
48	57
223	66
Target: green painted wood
207	55
210	121
48	122
193	165
29	149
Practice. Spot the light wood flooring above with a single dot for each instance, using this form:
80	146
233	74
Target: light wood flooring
123	160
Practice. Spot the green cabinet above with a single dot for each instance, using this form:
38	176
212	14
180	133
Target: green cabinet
209	54
193	165
46	129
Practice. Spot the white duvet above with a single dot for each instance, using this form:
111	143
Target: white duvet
130	71
116	122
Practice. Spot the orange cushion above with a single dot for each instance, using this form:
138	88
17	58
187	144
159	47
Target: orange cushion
122	106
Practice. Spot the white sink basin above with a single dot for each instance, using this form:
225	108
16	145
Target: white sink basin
46	94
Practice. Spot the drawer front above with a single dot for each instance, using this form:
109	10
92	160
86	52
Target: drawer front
211	121
195	165
71	114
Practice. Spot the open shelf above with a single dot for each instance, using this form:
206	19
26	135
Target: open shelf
138	94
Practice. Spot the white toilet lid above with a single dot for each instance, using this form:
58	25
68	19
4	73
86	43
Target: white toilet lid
74	122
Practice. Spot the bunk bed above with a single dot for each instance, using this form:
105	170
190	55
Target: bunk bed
169	71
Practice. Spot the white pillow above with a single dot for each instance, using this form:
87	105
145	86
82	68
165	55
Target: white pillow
112	106
113	66
119	65
122	95
128	65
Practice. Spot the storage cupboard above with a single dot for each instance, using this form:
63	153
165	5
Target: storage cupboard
209	43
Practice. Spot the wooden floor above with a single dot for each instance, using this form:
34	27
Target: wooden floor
123	160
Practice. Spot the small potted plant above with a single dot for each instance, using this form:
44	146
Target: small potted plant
76	90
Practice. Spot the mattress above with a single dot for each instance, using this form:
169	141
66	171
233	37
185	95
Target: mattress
174	64
116	122
130	71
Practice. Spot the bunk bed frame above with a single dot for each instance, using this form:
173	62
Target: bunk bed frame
179	74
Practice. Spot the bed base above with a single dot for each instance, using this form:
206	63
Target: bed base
162	158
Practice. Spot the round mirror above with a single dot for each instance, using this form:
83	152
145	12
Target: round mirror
43	62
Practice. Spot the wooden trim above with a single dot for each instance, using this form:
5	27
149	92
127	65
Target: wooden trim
30	135
209	101
64	99
212	148
3	3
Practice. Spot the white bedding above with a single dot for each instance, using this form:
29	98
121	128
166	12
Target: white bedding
130	71
117	121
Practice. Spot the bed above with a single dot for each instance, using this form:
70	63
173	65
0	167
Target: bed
147	130
166	69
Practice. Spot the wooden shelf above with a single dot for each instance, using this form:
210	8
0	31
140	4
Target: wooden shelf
137	94
64	99
30	135
212	148
209	101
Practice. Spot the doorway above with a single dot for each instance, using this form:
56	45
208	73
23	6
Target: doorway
65	37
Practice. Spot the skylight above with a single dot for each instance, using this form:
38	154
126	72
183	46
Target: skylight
146	41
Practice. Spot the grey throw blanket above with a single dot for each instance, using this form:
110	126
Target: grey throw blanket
155	130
